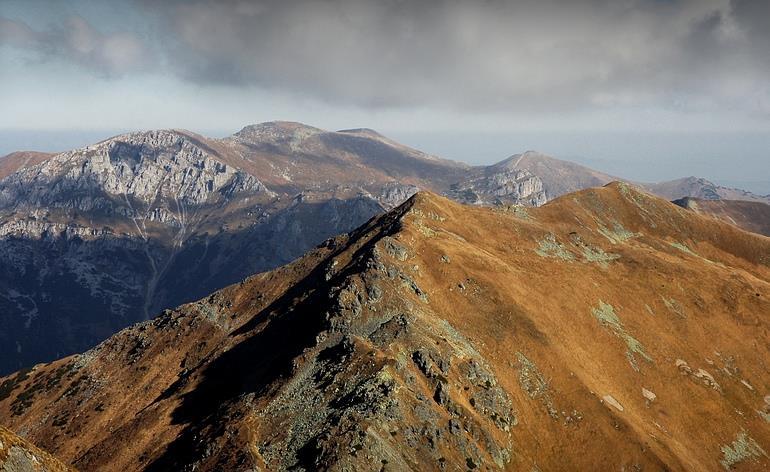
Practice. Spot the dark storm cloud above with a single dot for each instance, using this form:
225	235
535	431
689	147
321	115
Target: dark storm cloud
473	55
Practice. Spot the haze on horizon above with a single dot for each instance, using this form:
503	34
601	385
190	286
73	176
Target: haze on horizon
644	89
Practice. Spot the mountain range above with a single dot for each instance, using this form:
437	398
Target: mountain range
608	329
95	239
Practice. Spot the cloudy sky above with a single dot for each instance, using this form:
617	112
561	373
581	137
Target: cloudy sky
647	89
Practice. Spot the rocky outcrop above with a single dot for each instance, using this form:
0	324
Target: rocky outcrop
18	455
501	187
152	169
395	193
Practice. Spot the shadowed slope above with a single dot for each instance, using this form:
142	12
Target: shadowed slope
607	329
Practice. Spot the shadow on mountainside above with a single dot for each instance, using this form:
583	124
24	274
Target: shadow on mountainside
275	337
59	296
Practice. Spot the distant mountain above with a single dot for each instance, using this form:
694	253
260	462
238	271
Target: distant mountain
606	330
559	177
292	157
702	189
751	216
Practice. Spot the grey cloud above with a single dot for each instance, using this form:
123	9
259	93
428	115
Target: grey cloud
544	55
77	41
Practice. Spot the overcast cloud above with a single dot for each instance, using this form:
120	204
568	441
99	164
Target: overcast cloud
78	41
543	55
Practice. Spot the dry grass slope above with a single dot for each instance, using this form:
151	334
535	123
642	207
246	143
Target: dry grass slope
440	336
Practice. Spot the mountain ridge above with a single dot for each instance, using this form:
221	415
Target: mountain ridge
148	220
432	335
556	172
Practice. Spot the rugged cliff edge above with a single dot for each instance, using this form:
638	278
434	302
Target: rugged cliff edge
608	329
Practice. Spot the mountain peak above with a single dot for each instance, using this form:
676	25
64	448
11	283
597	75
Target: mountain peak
276	130
362	132
153	167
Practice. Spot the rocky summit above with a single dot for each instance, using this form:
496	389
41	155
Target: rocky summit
606	330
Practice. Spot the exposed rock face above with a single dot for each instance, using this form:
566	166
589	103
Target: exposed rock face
394	194
157	168
558	177
441	336
501	187
18	455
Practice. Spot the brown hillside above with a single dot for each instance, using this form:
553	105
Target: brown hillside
291	157
751	216
606	330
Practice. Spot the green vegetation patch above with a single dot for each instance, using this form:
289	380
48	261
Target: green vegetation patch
550	247
618	234
597	255
638	198
430	214
683	248
674	307
521	212
605	314
534	384
649	310
633	194
743	448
